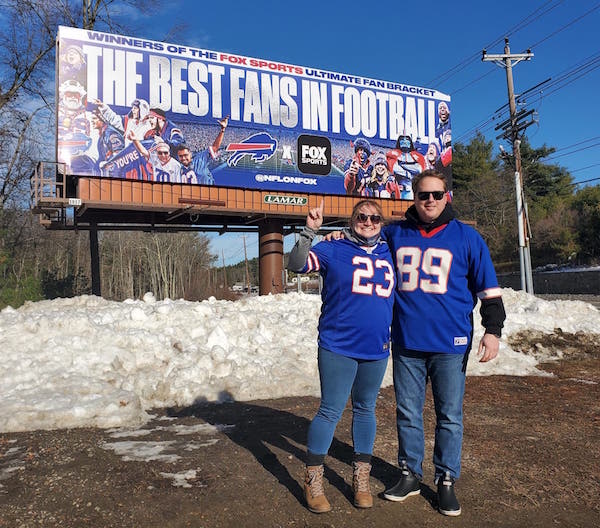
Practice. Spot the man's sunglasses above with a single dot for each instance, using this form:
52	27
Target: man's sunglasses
362	218
162	152
424	195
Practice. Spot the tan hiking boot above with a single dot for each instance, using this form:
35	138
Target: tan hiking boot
313	490
361	485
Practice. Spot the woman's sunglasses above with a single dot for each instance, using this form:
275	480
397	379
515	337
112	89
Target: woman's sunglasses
362	218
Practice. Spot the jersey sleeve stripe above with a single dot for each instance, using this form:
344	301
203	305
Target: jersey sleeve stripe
313	263
490	293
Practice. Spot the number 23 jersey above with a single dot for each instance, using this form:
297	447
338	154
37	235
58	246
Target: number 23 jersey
357	295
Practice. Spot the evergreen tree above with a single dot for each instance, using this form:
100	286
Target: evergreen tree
484	194
541	179
548	190
586	204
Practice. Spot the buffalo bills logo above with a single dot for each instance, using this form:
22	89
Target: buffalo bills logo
260	147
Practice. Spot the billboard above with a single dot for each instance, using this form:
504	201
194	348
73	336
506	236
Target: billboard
137	109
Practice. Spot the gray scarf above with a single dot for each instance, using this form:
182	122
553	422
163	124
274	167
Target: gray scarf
350	234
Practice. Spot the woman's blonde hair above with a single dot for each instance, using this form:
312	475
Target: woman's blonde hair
367	201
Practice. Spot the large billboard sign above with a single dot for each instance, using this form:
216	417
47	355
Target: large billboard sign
132	108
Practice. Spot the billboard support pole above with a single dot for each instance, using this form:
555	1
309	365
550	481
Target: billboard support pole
270	256
95	260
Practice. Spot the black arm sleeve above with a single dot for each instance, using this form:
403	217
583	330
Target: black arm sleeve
492	315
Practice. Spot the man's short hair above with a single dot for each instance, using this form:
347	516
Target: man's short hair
431	173
182	147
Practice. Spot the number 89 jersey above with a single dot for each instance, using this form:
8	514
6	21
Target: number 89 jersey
440	275
357	295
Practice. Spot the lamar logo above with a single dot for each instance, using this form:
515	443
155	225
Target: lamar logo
285	200
314	154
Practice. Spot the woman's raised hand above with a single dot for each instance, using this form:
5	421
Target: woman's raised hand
314	219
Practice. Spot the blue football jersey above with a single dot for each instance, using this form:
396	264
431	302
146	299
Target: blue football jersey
440	275
199	170
357	295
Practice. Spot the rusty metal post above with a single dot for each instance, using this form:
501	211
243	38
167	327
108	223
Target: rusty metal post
270	256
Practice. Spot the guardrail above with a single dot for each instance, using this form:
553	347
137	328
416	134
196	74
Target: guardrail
557	282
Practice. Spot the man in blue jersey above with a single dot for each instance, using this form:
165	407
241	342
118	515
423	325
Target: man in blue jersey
109	143
443	120
358	168
196	168
442	267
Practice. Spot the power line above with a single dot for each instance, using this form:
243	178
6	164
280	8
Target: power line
586	181
571	76
443	77
519	26
581	68
572	152
564	78
575	20
482	126
585	168
470	83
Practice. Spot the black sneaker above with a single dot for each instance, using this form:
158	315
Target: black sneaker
407	485
447	501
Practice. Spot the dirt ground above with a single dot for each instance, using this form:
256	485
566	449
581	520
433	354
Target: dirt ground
531	458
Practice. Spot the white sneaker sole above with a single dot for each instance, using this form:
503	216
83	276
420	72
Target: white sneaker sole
395	498
449	513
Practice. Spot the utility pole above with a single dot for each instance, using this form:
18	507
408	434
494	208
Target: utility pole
298	283
246	262
224	270
512	129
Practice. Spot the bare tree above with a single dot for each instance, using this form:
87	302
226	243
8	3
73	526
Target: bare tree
169	265
27	41
27	126
28	35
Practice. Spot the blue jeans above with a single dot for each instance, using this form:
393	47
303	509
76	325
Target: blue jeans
342	377
447	374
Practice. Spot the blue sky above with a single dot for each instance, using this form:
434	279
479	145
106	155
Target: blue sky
432	44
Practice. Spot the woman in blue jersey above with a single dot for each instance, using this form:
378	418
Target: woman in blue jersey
354	337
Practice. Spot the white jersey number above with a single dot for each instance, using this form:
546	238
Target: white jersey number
363	275
435	262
